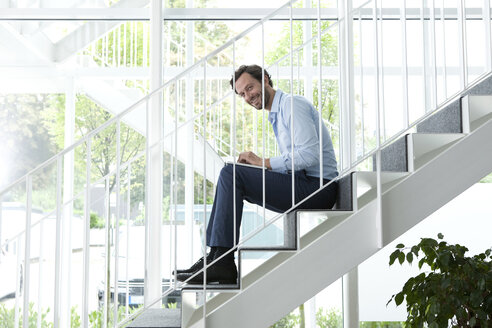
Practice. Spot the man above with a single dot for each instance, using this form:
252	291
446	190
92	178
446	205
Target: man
278	178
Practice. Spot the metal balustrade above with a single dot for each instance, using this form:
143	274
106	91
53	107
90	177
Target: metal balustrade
193	106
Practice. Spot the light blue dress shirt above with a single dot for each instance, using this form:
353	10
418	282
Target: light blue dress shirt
306	138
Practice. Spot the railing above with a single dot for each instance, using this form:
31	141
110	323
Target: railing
360	74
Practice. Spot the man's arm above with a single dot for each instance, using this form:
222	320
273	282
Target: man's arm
306	141
249	157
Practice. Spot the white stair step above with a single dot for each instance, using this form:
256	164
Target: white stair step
422	147
477	109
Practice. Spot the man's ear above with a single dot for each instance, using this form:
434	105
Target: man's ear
267	80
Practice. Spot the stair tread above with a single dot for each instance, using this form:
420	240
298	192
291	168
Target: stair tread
220	287
157	318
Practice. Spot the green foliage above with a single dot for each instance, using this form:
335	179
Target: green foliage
7	317
381	324
74	318
25	143
487	179
291	320
329	318
458	289
97	222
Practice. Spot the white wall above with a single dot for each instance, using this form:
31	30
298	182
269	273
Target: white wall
466	220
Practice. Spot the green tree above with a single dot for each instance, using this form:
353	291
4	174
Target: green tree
457	290
25	142
329	318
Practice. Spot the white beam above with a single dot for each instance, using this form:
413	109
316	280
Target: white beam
141	14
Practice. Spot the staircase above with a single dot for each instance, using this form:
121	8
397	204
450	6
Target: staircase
414	173
450	151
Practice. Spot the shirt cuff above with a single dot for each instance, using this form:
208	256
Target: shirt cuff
277	163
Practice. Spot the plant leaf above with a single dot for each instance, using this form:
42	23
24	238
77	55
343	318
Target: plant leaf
440	236
399	298
409	257
393	257
401	257
400	246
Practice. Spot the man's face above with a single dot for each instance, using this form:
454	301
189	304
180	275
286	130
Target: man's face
249	88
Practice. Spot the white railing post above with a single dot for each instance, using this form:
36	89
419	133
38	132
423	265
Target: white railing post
117	222
234	216
433	55
86	248
107	252
462	44
68	185
404	64
488	41
425	43
379	225
320	104
18	274
153	208
58	233
346	64
292	120
27	250
443	46
190	134
204	227
361	73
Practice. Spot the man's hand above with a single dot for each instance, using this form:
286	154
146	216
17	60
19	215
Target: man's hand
248	157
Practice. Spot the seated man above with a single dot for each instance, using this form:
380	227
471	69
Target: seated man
278	178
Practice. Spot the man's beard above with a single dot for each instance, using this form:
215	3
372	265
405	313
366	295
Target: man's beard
259	98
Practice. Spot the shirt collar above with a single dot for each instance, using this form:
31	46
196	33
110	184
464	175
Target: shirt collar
275	105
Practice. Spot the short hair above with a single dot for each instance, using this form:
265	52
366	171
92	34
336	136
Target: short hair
253	70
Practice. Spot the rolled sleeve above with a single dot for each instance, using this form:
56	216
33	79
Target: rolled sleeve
277	163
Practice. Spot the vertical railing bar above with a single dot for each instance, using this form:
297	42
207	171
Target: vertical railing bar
104	49
133	47
341	96
117	222
320	105
18	275
361	83
488	41
292	102
299	72
381	59
445	69
124	44
175	194
114	47
118	43
59	214
424	56
403	18
128	198
86	249
27	250
1	223
263	180
462	44
378	132
40	272
107	250
204	313
234	140
433	49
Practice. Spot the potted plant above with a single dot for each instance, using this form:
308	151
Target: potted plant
457	291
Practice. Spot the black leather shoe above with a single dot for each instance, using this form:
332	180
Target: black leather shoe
197	265
223	273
